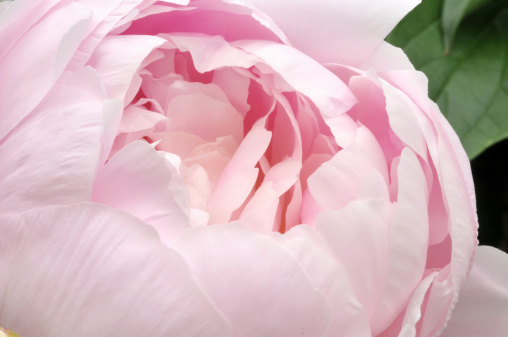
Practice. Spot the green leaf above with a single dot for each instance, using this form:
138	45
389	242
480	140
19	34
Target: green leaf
452	14
470	84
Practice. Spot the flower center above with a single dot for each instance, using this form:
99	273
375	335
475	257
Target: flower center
243	141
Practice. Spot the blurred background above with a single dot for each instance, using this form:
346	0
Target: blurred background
462	47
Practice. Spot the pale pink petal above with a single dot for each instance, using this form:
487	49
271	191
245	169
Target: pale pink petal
239	176
16	18
462	158
371	112
87	270
373	187
457	197
137	118
106	14
198	185
259	287
359	238
387	57
179	143
437	303
292	217
168	87
138	180
52	158
349	318
203	116
445	150
117	58
211	52
235	86
337	182
482	308
310	209
408	242
113	110
407	326
213	156
260	212
403	121
346	31
27	76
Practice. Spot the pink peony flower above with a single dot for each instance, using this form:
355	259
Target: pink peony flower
231	168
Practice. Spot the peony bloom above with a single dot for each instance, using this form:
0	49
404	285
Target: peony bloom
231	168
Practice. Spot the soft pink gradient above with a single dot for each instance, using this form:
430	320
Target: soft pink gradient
231	168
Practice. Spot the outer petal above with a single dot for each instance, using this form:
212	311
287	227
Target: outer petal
51	158
348	316
106	15
26	77
358	237
454	176
408	242
256	283
346	31
482	308
86	270
16	18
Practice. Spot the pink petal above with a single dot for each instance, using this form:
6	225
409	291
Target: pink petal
387	57
16	18
346	31
402	114
117	59
87	270
332	97
349	318
136	119
337	182
371	112
27	76
235	86
482	307
212	18
457	197
179	143
106	14
408	242
53	158
239	176
211	52
203	116
358	236
260	212
437	303
138	180
259	287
